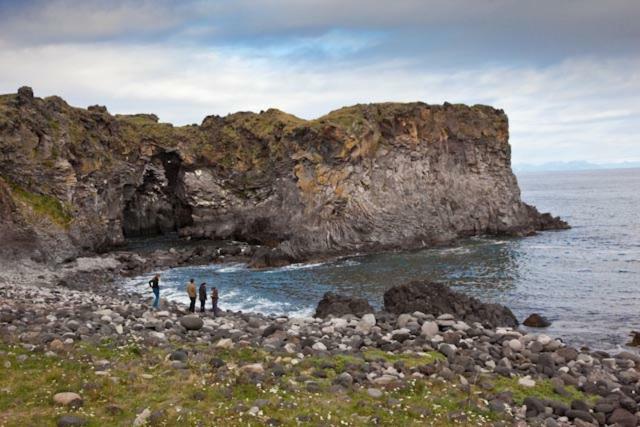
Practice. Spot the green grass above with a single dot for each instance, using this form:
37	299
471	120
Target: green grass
43	205
542	390
339	362
348	118
210	397
240	355
409	360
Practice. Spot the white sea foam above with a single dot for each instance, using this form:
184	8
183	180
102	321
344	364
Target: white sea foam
455	251
230	268
347	263
237	302
292	267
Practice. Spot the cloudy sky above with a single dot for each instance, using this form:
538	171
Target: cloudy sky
567	72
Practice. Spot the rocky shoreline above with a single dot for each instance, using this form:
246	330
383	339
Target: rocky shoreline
504	375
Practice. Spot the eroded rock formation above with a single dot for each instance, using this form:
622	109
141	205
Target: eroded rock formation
361	178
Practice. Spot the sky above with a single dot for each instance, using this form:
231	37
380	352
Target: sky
566	72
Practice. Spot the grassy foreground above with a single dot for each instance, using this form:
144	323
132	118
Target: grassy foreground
118	383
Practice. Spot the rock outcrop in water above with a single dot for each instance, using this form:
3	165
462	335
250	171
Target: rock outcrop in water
536	321
361	178
438	298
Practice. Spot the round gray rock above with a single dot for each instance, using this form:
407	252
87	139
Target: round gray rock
374	392
191	322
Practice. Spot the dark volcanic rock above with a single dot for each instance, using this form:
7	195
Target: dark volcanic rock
623	418
536	321
635	339
303	187
437	298
269	257
339	305
25	95
179	355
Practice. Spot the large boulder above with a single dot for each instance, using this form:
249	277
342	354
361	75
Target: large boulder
339	305
437	298
192	322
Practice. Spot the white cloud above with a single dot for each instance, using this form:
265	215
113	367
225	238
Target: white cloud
86	21
480	30
584	109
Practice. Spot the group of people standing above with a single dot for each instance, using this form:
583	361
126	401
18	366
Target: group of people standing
193	293
202	293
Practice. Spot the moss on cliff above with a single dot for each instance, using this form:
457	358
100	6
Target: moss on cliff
347	118
42	205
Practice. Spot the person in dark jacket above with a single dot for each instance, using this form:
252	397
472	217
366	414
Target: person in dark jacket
155	287
214	301
202	291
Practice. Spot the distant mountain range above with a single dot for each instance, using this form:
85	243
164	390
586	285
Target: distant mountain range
572	166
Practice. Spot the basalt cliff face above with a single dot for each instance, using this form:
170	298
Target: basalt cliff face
361	178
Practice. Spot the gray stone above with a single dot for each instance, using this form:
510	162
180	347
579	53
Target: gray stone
447	349
567	353
581	415
604	407
526	382
429	329
515	345
497	405
623	418
550	422
224	343
270	330
179	355
253	368
68	399
534	406
71	421
403	320
313	387
344	379
318	346
191	322
374	392
580	405
369	319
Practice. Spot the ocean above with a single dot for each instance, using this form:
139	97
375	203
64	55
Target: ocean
586	280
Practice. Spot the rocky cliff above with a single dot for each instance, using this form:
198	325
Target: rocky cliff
361	178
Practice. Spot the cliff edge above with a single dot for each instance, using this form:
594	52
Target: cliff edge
361	178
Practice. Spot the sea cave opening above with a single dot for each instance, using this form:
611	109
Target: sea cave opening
157	206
